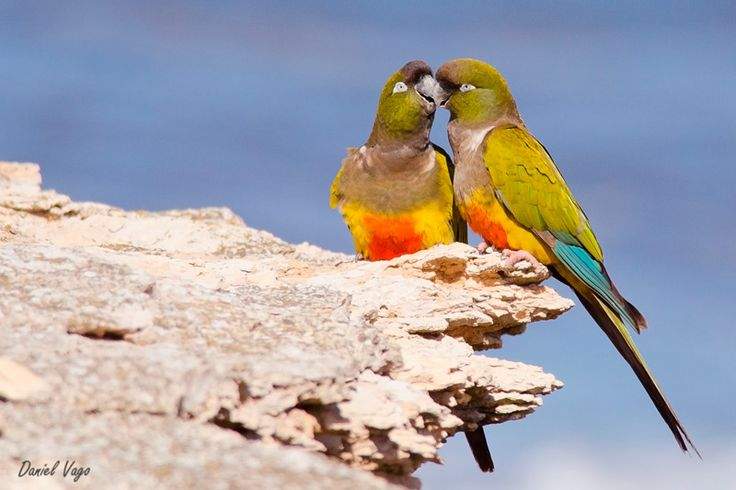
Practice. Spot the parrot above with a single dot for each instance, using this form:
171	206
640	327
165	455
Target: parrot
395	192
512	194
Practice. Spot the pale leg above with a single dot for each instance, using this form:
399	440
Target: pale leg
515	256
483	246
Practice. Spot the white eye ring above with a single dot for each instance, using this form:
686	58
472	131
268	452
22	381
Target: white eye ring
466	87
400	87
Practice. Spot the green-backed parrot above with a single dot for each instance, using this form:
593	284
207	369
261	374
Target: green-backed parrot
395	192
511	193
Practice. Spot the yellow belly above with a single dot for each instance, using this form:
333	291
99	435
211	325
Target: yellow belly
488	218
380	236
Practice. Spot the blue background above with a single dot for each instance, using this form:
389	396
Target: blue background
194	103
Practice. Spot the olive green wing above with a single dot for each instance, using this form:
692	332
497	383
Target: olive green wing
531	187
336	193
459	226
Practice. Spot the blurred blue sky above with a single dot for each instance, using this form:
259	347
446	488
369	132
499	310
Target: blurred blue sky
193	103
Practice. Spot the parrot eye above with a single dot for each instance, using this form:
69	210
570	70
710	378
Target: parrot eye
466	87
399	87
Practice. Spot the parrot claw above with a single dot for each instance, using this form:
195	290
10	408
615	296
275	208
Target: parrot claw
483	246
513	257
351	260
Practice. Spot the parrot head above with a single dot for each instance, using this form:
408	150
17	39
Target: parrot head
474	92
407	105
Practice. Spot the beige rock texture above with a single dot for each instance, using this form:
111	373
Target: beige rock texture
182	349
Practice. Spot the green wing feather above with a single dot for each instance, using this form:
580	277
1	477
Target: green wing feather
531	187
459	226
528	183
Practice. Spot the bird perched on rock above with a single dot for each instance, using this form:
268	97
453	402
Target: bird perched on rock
511	193
395	191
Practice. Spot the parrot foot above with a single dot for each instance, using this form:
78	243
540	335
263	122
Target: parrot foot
352	259
513	257
483	246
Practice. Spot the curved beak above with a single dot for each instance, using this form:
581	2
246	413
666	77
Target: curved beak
441	95
427	88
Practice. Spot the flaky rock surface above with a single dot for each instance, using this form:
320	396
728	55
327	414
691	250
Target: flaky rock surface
182	349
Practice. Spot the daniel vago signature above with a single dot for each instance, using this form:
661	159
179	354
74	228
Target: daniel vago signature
70	469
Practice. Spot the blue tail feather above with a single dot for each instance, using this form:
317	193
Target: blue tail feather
591	272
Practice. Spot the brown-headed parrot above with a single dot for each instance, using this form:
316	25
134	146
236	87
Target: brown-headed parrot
395	192
511	193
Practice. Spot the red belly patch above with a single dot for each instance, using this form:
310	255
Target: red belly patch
391	237
491	231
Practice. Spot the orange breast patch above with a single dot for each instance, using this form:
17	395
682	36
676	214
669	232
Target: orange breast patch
391	237
491	231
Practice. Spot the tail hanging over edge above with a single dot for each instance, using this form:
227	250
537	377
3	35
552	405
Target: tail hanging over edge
479	447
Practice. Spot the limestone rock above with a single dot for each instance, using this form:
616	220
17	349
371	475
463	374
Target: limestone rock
183	349
17	382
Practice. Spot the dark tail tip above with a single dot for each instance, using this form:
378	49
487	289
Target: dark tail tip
479	447
625	346
639	321
690	443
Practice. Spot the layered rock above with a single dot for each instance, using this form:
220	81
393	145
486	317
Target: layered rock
203	347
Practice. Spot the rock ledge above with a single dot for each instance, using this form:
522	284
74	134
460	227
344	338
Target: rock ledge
182	349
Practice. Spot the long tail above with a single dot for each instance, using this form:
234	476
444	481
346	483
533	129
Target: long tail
616	330
479	446
585	268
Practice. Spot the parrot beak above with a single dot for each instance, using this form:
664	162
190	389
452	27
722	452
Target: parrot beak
442	95
427	89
